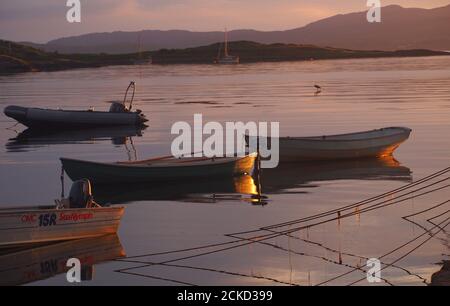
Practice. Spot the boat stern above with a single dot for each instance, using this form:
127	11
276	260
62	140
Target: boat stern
141	119
245	164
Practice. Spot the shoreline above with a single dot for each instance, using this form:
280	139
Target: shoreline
16	58
4	73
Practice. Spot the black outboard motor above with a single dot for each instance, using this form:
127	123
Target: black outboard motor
117	107
80	194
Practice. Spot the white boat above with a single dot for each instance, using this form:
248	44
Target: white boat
73	218
142	60
375	143
119	114
226	59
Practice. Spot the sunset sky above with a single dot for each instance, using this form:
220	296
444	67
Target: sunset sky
43	20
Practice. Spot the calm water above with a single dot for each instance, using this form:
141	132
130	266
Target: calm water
357	95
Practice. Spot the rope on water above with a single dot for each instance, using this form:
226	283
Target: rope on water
248	241
270	236
389	253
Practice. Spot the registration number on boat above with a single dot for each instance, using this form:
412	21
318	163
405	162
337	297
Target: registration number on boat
50	219
47	219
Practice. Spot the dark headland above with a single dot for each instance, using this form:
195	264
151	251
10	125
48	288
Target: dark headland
16	57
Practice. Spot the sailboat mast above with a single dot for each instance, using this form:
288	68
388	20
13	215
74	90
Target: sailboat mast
226	42
140	45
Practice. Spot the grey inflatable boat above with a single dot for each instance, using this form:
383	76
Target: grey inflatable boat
119	114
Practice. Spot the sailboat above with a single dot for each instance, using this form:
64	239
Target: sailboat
141	60
226	59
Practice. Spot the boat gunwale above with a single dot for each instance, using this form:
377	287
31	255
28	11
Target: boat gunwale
326	138
144	165
8	211
79	111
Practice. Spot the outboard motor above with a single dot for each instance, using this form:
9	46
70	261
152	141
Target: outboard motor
80	194
117	107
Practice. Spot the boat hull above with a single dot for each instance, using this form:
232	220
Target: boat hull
48	118
33	226
100	173
230	60
377	143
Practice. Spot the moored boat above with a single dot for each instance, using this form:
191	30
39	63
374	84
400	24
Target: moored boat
375	143
119	114
158	169
73	218
227	58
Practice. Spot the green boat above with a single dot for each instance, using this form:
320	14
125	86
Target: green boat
158	169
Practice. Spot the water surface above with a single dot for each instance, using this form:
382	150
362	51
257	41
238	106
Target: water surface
357	95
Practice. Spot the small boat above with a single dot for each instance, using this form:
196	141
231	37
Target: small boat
226	59
142	59
119	114
158	169
73	218
375	143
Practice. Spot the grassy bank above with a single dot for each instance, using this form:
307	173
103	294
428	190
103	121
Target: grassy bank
19	58
250	52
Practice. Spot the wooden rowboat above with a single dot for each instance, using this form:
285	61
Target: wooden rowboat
158	169
375	143
73	218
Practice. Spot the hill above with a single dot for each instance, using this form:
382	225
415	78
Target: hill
401	28
16	57
251	52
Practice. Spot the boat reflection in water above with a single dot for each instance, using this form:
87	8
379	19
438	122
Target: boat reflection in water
32	139
25	265
252	188
241	188
294	175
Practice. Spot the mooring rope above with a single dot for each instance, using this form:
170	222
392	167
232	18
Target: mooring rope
391	252
273	235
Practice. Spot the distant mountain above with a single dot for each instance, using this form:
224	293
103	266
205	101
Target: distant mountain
401	28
